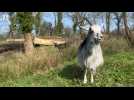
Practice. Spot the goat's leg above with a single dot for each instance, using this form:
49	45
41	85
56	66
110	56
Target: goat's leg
92	76
85	76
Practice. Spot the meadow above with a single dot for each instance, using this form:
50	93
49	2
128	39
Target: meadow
48	68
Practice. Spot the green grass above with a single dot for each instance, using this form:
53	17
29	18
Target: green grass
118	70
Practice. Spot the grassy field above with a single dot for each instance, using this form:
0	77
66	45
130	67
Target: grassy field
46	68
117	71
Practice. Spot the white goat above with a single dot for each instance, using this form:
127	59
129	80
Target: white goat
90	53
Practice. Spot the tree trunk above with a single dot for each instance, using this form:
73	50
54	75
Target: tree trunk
38	31
107	22
74	27
10	32
28	43
55	21
128	34
118	26
59	27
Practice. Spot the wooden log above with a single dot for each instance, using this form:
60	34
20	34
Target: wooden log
15	40
43	41
48	41
39	41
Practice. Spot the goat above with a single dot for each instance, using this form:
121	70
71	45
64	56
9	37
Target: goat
89	52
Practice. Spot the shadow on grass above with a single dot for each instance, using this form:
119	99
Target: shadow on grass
71	71
11	47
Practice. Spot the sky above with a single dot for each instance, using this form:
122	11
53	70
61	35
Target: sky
47	16
4	23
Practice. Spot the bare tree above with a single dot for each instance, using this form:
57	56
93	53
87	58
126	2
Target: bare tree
127	31
73	16
79	19
108	16
55	18
59	24
118	18
37	21
12	32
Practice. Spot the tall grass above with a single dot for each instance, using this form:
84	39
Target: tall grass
14	65
18	64
114	45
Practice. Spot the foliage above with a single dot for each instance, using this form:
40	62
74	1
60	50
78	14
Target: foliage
13	21
38	22
25	20
59	26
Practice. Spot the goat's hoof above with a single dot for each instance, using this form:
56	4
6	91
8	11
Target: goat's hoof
92	82
84	82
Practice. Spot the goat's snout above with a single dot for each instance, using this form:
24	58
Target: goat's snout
101	38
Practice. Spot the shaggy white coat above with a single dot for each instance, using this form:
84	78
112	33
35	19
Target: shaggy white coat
95	59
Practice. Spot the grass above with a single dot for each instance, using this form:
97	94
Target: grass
47	68
117	71
16	64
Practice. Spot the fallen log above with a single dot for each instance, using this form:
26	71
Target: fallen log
15	40
39	41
